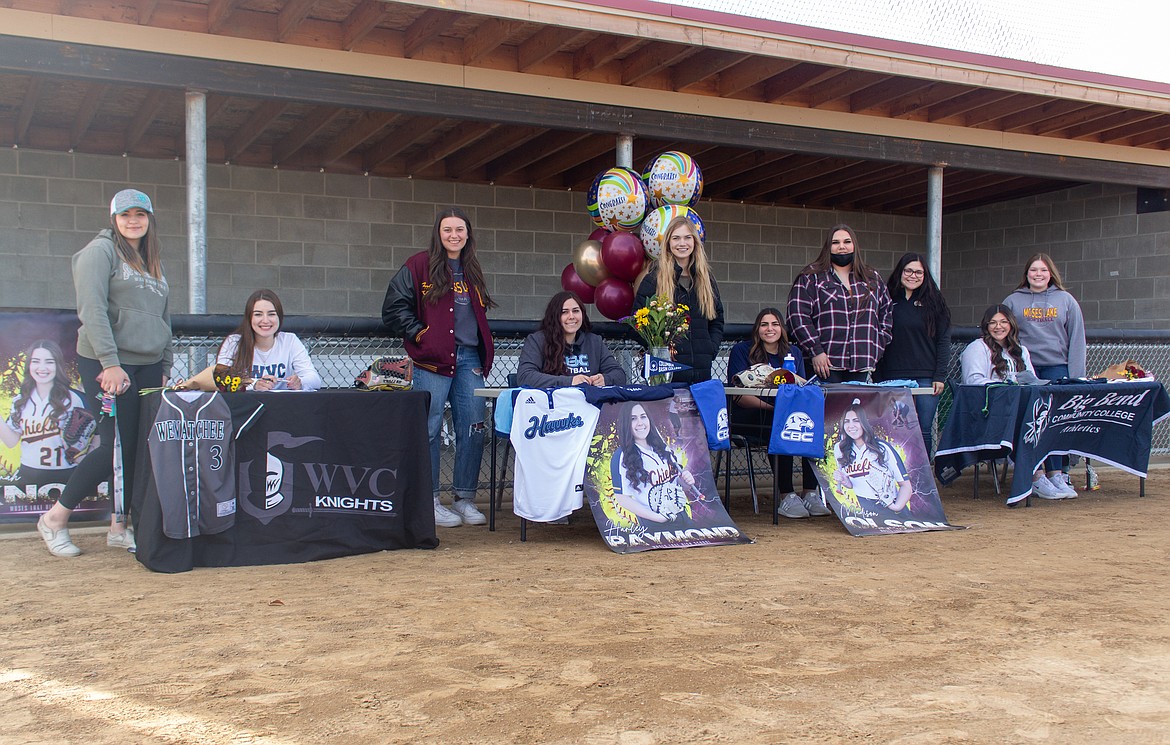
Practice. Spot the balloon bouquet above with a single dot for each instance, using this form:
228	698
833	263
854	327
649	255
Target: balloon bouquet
631	211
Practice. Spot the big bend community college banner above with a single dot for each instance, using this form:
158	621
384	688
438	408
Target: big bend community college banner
41	442
876	470
648	478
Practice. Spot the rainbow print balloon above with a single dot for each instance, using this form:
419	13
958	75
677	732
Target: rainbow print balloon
673	178
654	227
617	200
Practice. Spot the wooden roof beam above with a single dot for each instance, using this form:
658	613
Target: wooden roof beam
842	86
789	179
424	30
143	118
543	44
961	104
815	191
485	39
28	106
652	58
367	125
762	168
266	113
792	80
988	114
462	135
911	106
291	16
85	112
490	148
544	146
1149	138
1113	120
283	151
146	10
363	19
1026	119
583	173
559	164
602	51
703	65
883	92
1088	114
751	71
397	141
218	13
1133	129
740	161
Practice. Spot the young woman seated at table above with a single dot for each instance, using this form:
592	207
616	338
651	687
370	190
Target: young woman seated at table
565	351
751	416
273	359
997	355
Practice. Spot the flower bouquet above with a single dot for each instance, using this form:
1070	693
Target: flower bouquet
660	323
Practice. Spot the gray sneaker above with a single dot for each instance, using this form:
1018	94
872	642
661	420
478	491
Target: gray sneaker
446	518
792	507
468	512
815	504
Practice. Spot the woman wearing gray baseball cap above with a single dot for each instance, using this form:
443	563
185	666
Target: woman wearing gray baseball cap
123	345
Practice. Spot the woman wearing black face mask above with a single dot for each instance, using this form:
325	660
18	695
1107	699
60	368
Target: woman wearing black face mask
839	311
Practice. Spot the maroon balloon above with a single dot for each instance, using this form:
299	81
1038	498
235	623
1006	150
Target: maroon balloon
573	283
614	298
623	255
599	234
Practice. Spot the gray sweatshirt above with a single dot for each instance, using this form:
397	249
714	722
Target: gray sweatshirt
589	356
1051	327
124	316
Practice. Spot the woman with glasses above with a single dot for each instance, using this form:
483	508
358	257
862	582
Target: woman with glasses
921	346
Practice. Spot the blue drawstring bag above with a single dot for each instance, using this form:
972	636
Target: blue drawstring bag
798	423
712	403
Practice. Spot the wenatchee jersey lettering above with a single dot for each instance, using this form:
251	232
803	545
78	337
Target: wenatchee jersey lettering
551	432
192	454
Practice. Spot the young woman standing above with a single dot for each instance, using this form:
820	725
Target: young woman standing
920	349
124	344
839	311
1053	329
438	303
684	277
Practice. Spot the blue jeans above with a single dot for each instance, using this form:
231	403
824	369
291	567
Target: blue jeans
467	416
926	406
1053	372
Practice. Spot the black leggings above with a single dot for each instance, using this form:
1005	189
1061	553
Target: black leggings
98	464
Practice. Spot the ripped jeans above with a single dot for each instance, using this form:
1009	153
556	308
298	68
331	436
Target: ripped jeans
467	416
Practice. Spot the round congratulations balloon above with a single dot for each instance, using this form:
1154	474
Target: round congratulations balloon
673	178
617	199
654	227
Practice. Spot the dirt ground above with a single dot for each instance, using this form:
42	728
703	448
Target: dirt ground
1046	624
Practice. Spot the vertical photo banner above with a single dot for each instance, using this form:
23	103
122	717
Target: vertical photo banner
45	428
648	478
876	471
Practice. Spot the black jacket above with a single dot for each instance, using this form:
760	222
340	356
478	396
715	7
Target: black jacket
700	347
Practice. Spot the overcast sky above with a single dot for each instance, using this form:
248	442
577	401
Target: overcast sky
1122	37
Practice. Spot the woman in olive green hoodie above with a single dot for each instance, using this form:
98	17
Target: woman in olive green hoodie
123	345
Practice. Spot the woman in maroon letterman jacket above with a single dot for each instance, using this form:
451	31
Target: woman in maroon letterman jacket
437	303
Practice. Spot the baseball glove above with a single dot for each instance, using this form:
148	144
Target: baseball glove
77	430
387	374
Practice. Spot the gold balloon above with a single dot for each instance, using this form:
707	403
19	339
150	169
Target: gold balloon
587	261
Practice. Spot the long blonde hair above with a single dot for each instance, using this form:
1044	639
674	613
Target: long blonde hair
700	269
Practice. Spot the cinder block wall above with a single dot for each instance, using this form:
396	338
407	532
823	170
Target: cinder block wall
1113	260
328	243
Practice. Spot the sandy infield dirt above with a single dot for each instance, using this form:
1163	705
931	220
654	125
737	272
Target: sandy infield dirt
1046	624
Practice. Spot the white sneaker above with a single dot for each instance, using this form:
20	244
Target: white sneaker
1045	489
1064	485
446	518
125	540
468	512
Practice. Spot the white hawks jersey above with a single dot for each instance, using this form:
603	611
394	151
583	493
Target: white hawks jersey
551	432
192	454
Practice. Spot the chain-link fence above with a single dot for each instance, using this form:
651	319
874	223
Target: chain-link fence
339	357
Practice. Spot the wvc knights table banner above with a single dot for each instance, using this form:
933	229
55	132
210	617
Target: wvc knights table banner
876	471
648	478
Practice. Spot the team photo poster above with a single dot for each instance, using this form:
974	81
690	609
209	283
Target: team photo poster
45	429
876	471
648	478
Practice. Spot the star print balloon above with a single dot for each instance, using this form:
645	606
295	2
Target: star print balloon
617	200
673	178
654	228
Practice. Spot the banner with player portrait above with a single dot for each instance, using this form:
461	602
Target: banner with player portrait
876	471
45	428
648	478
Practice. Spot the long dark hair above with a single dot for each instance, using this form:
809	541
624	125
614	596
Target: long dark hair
242	362
929	296
1054	279
439	272
867	435
860	271
635	472
146	258
59	397
553	362
758	353
1012	341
